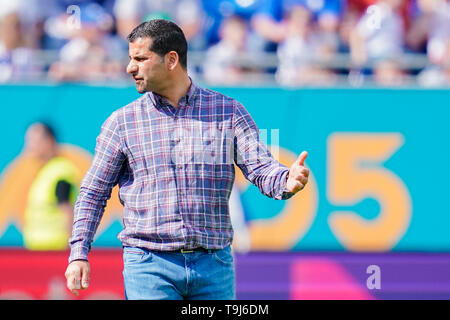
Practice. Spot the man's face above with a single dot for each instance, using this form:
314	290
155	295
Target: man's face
146	67
39	144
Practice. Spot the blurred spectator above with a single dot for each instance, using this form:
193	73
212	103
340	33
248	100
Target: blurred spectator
349	20
437	35
295	50
423	13
325	37
31	14
439	32
218	11
268	19
329	15
302	51
17	61
92	53
377	41
187	14
220	63
49	210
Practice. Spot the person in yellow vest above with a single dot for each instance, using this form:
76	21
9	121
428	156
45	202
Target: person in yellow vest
49	210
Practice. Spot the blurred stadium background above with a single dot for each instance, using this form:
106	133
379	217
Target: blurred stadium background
363	85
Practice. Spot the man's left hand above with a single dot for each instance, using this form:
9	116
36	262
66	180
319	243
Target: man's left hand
298	174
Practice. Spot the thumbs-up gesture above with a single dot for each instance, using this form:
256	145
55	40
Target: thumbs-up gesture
298	174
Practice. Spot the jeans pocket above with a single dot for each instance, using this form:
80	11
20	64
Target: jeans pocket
224	256
135	255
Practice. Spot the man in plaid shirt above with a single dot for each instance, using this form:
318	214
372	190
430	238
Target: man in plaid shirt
172	152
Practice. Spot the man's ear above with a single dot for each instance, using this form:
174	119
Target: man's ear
171	59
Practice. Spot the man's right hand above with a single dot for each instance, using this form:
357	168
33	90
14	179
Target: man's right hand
77	275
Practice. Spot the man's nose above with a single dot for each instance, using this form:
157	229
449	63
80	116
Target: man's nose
131	68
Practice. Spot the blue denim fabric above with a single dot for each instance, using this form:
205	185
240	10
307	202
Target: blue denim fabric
156	275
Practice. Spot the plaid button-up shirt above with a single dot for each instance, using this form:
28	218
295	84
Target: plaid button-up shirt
175	170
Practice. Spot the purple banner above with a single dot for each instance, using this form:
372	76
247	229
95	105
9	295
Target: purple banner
343	276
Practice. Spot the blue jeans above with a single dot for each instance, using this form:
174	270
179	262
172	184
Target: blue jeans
198	275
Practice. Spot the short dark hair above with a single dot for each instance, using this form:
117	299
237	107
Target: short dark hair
49	130
166	36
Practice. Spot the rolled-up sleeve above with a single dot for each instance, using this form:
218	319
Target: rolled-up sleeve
96	188
255	160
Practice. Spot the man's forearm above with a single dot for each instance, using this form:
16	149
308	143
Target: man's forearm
87	215
270	178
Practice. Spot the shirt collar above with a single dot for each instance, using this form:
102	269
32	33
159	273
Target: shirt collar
186	100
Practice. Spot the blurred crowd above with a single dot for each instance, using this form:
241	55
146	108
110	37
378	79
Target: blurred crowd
296	42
